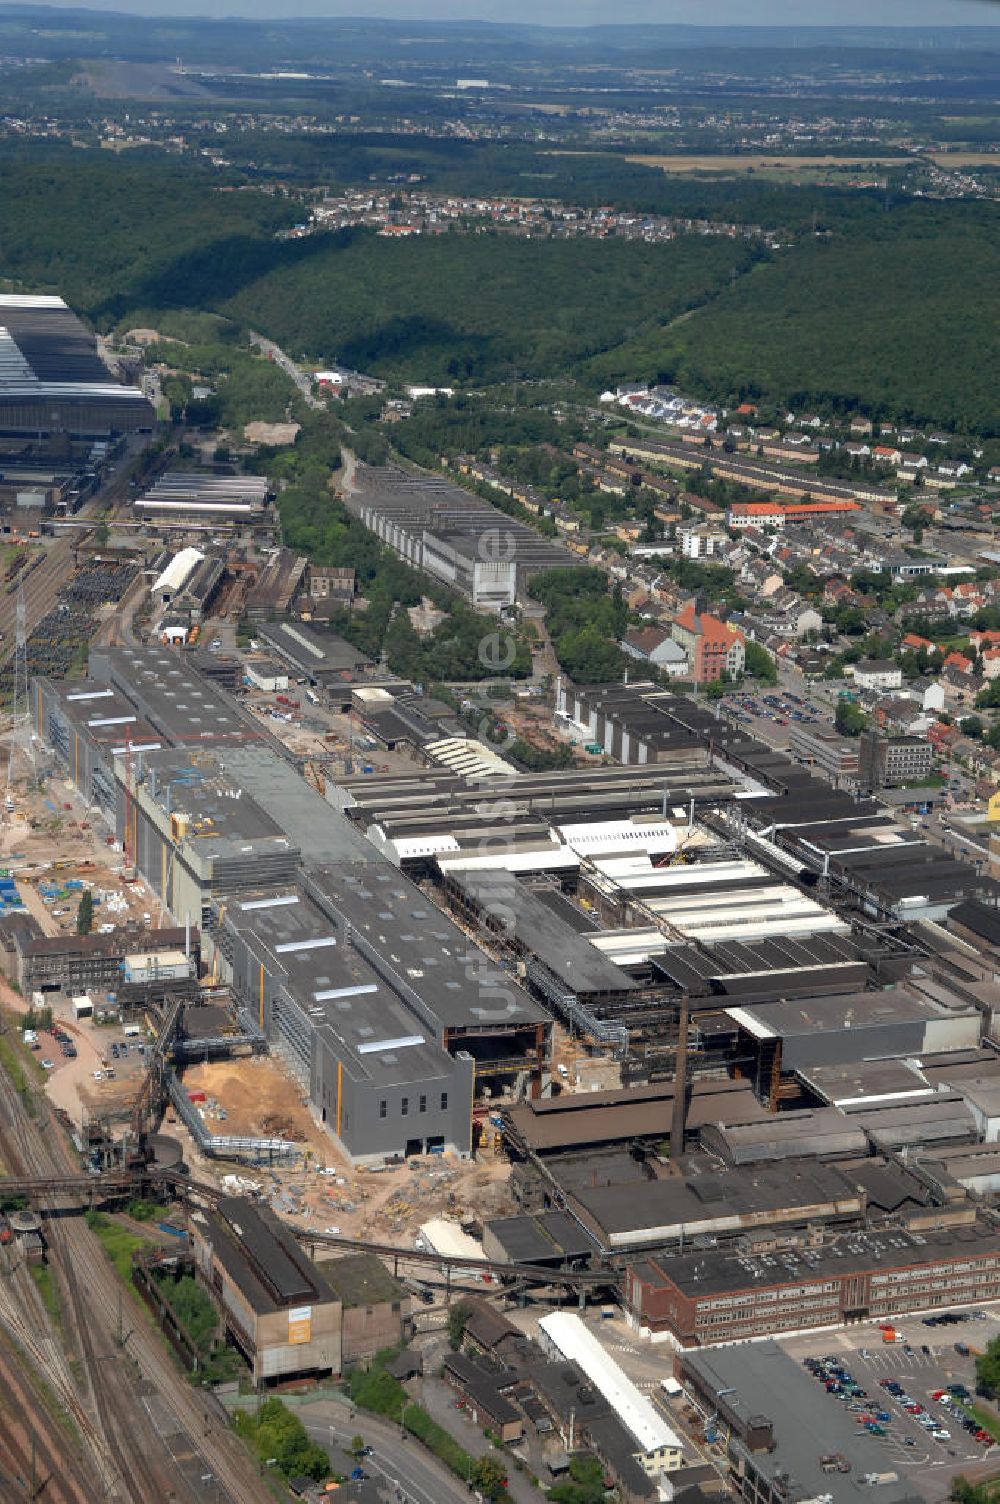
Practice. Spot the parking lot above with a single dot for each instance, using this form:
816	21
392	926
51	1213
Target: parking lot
770	713
105	1073
923	1364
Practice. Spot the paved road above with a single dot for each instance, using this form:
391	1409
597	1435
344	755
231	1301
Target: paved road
287	364
420	1478
439	1402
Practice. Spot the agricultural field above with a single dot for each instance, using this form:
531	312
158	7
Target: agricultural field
813	167
966	158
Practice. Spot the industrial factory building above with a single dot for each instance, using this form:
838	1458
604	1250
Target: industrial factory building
349	1028
718	1295
766	1110
392	1043
314	653
458	538
79	963
278	1308
56	392
197	495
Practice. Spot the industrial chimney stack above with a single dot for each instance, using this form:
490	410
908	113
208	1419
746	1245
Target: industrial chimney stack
680	1082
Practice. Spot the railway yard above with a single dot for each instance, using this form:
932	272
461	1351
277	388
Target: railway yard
139	1431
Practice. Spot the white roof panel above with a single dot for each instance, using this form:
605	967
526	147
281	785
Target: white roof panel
618	835
577	1344
448	1239
548	859
179	570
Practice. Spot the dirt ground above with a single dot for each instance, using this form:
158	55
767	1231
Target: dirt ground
316	732
53	825
323	1192
260	1101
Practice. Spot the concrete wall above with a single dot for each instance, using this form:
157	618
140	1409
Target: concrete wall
368	1330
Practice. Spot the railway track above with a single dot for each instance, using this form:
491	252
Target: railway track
43	582
33	1444
146	1434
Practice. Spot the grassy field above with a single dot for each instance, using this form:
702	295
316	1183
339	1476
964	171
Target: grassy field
119	1243
966	158
759	163
43	1277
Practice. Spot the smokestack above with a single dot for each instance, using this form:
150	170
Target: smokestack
680	1083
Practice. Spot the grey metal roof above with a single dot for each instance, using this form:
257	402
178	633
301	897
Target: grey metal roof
713	1271
853	1010
759	1377
184	706
427	951
314	651
319	831
372	1028
566	952
657	1210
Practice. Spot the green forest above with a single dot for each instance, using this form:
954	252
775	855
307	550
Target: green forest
892	305
478	308
587	177
903	321
585	620
465	646
103	233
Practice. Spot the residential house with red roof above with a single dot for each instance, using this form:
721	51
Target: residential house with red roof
914	643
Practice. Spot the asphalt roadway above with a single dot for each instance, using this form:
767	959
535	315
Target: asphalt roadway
415	1476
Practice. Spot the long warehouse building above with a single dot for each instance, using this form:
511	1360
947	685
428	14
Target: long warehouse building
384	1010
453	535
199	493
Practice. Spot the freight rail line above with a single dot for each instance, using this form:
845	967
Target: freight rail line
34	1445
48	1361
149	1432
21	1313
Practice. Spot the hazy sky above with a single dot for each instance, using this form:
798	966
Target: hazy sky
597	12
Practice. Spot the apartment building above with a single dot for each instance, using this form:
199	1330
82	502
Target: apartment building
712	646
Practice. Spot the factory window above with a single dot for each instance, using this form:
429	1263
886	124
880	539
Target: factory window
383	1108
404	1106
423	1104
444	1101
